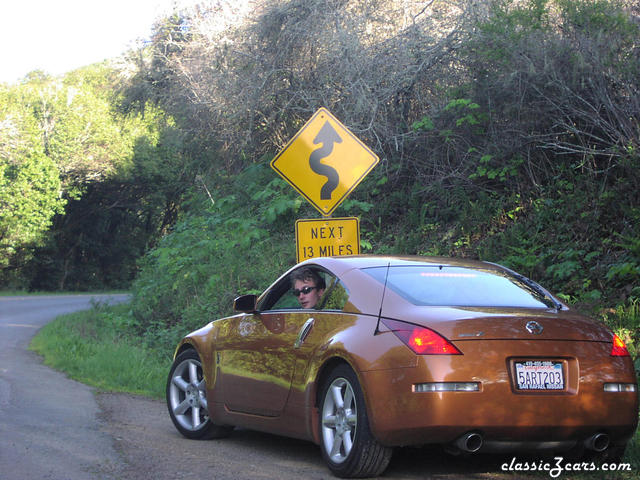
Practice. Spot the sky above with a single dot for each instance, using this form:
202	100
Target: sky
58	36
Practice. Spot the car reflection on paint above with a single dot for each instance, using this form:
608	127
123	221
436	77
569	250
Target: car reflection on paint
408	351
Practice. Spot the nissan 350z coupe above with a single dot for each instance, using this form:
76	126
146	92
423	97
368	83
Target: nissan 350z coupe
361	354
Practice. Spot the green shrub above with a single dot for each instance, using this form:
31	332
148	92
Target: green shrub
237	244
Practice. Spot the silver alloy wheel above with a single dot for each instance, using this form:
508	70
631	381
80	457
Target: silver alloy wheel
187	396
339	420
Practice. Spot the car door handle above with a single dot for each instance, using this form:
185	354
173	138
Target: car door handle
302	334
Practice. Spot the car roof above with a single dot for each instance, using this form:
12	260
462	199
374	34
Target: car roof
341	265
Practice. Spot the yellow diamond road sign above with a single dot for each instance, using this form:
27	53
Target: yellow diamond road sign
328	237
324	161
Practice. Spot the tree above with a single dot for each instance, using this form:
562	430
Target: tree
30	186
125	174
251	81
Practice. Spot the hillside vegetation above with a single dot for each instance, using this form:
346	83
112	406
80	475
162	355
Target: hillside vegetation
507	130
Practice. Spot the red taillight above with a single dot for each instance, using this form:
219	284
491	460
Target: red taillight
421	340
618	349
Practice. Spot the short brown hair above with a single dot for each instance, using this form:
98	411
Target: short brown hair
307	273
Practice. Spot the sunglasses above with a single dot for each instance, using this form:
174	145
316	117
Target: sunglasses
304	290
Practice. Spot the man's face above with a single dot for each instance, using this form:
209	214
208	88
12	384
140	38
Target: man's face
309	299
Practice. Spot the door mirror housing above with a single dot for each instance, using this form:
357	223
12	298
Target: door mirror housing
245	303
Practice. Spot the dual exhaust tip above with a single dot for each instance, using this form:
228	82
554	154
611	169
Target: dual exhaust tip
471	442
598	442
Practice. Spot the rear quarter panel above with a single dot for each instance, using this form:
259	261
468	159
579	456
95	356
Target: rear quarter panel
400	416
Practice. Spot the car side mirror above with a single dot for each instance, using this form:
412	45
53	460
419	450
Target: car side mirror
245	303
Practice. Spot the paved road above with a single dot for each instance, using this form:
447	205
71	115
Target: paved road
48	423
52	427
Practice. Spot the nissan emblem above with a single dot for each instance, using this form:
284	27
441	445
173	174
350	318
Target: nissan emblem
534	327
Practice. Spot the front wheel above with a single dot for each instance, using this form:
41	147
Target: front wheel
187	399
348	447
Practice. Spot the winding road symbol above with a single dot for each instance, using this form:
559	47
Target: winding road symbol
327	136
324	161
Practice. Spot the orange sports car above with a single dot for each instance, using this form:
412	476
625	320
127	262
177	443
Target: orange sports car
361	354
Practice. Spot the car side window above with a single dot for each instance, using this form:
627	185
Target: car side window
282	296
335	295
287	301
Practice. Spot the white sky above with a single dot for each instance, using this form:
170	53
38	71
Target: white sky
60	35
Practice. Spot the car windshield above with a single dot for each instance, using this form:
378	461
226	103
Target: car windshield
461	287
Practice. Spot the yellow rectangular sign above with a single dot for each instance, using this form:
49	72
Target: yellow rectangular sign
329	237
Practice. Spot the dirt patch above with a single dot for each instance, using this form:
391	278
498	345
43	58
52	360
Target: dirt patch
152	448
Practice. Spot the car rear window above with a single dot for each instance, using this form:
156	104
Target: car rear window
460	287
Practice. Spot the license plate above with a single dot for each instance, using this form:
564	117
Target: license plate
539	375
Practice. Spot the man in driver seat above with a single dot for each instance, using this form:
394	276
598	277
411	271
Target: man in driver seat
308	286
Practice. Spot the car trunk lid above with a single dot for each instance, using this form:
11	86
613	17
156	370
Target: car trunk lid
461	323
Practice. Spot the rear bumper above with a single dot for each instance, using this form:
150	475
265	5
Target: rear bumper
504	417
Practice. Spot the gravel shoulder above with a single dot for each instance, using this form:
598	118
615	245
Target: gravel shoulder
151	447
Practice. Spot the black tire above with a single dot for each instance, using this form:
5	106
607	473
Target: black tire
187	399
348	447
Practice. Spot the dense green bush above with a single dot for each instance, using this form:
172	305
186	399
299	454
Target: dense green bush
237	243
515	141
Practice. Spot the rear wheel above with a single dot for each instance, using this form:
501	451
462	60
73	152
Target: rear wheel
187	399
348	447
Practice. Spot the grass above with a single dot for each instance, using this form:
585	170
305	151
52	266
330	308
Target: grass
95	348
99	347
632	456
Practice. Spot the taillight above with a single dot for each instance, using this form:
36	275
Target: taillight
422	340
618	349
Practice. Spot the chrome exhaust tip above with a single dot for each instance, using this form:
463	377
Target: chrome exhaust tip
598	442
469	442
